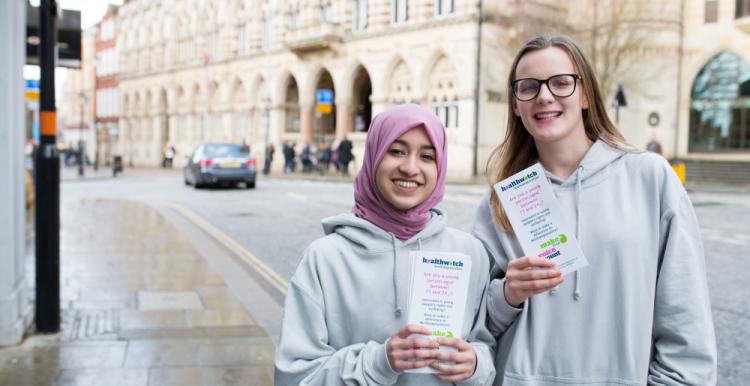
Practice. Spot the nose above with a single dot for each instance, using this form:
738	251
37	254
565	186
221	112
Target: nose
545	95
408	166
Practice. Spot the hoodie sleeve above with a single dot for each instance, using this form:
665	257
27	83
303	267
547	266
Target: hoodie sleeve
480	336
304	357
683	333
501	314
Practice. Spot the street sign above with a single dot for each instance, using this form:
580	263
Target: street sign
324	99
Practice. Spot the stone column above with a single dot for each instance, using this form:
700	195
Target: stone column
306	123
344	118
15	306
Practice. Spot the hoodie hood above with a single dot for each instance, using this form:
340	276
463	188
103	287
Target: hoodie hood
369	236
592	169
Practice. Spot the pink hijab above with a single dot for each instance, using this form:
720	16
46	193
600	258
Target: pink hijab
369	203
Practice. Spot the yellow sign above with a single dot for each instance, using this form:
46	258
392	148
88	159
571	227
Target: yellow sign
32	95
323	108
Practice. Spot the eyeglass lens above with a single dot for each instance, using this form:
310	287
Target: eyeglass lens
559	85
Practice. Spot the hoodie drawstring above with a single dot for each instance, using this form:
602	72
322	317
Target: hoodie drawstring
397	312
577	293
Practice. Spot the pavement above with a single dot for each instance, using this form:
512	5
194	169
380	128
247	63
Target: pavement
149	297
154	294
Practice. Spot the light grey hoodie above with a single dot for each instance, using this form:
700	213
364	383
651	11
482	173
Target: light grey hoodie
639	313
346	299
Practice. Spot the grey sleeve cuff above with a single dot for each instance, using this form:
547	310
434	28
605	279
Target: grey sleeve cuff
378	366
501	314
485	371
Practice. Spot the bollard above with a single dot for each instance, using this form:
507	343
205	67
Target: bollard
679	169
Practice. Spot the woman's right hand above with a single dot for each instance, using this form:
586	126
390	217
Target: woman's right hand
410	353
528	276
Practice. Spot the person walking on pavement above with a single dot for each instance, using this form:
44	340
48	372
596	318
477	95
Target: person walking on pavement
344	319
324	158
270	149
654	145
288	151
345	155
639	313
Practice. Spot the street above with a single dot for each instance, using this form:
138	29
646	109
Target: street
278	219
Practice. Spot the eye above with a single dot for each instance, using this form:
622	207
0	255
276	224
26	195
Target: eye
396	152
561	82
428	157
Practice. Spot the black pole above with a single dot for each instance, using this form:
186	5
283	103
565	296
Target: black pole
47	181
477	92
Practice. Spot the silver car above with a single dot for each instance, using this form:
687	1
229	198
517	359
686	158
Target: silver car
220	164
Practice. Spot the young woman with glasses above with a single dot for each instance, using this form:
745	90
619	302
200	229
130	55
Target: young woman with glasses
639	313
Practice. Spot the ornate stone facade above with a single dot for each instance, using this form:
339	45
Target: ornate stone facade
249	70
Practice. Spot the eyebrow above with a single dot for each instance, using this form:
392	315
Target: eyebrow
423	147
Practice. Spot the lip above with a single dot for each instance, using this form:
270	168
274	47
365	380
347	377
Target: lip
404	189
550	119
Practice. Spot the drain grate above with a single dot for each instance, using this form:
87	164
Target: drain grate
82	325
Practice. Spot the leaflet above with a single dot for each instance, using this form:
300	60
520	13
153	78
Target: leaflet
537	220
439	284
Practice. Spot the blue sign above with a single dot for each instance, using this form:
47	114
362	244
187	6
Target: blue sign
325	97
32	84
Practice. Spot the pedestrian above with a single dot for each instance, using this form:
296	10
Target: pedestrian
343	321
289	154
169	155
654	145
639	313
324	158
270	149
345	155
305	158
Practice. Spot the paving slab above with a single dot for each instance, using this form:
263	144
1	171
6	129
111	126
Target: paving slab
141	305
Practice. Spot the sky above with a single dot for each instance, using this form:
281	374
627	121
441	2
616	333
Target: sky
91	12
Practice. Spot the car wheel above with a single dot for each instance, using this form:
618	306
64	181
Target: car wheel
250	185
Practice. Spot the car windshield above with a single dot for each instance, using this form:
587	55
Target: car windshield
225	150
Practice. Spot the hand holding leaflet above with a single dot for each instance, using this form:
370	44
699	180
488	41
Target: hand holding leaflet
439	289
537	220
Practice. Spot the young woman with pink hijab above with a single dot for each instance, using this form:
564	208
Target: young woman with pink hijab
345	312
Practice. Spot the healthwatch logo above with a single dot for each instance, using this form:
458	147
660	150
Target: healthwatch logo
518	181
553	242
442	262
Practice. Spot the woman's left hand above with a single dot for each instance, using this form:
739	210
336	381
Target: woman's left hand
465	360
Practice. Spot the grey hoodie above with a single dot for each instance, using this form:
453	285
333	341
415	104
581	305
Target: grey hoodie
346	299
639	313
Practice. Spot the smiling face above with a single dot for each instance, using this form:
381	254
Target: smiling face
407	174
549	118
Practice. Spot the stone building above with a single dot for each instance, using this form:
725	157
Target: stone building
251	70
107	94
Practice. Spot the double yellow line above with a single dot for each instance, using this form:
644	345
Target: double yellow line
255	263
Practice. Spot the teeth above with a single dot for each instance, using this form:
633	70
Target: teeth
546	115
406	184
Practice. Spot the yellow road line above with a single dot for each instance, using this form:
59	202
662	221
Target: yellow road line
255	263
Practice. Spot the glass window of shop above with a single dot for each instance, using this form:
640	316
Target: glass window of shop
720	106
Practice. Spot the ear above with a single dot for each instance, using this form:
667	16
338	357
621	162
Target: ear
514	104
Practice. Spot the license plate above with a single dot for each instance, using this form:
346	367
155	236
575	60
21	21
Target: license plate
229	165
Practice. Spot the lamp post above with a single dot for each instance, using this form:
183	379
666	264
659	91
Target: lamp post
81	151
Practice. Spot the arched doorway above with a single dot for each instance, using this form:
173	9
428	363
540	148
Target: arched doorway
324	123
720	106
291	107
361	99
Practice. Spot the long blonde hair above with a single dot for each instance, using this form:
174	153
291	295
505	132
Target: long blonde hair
517	151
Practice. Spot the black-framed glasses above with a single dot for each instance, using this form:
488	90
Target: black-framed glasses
561	86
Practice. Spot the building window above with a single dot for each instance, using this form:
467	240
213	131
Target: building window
712	11
720	106
742	9
444	7
267	32
294	19
399	11
241	41
326	11
359	15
